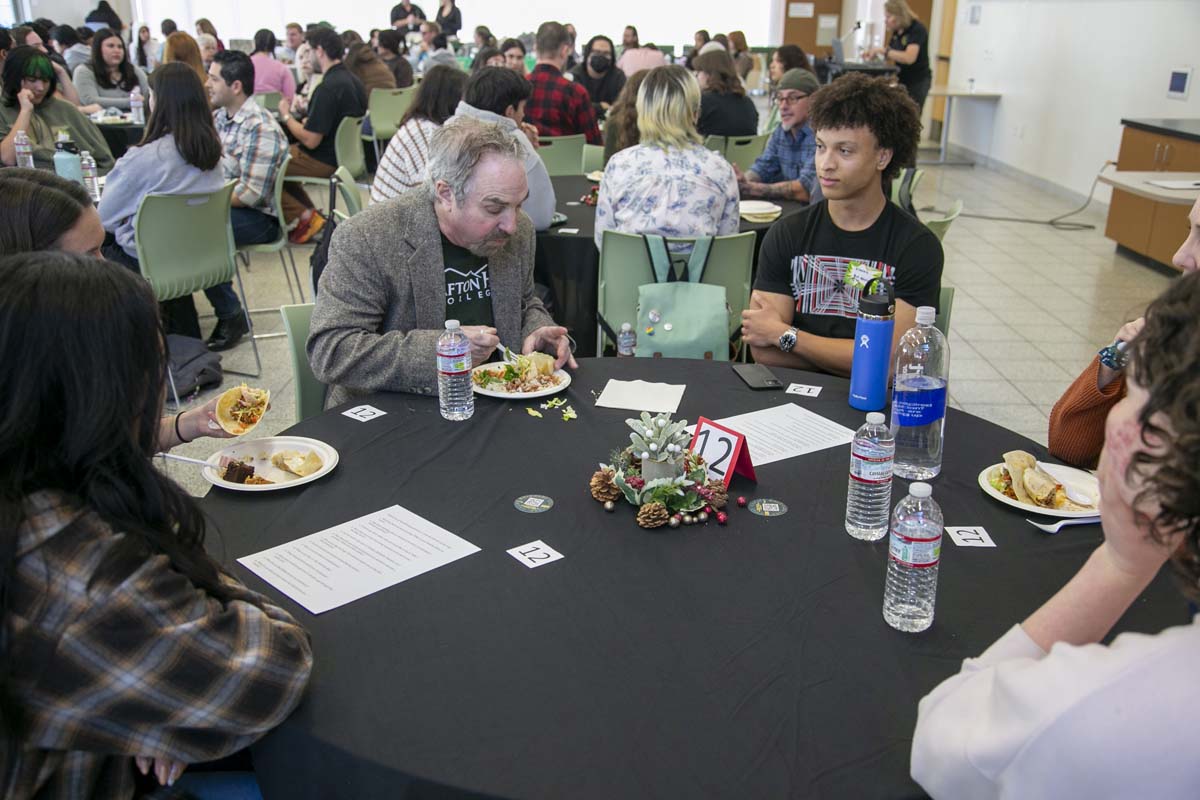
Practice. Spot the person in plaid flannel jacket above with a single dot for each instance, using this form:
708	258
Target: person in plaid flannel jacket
558	107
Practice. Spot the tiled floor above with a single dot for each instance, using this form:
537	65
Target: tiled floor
1032	305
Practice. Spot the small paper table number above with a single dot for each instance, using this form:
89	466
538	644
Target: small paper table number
535	554
724	451
364	413
970	536
804	390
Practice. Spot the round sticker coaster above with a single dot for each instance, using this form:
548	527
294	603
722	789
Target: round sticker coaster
533	503
766	507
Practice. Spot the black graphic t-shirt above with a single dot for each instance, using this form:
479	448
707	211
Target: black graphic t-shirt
825	268
468	293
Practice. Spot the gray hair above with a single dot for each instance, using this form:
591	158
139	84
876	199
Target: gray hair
457	147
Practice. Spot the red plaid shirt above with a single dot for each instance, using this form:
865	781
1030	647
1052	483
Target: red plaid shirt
559	107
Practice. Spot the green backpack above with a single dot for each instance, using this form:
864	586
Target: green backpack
681	317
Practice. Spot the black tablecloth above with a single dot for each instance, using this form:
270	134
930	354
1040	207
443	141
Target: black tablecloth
121	137
746	661
569	263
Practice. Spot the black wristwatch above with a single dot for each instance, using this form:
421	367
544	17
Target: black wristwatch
787	340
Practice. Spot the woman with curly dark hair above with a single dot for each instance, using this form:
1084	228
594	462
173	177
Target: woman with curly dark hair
1048	710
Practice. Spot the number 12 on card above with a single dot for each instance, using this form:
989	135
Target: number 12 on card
724	451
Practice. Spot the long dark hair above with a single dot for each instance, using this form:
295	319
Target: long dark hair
84	360
622	122
128	78
438	95
37	208
792	57
26	62
722	74
142	59
181	110
265	42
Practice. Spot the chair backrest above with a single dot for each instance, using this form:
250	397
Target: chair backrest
716	143
348	146
593	158
185	241
310	392
349	193
268	101
940	226
277	198
905	185
562	155
387	107
625	265
744	150
945	306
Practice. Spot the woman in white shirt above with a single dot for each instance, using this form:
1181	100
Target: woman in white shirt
403	164
1048	711
669	183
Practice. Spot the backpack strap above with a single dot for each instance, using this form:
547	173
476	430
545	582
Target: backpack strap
660	259
698	260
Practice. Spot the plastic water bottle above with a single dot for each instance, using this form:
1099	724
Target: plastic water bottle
869	495
913	555
137	108
626	340
66	159
24	150
87	165
454	373
919	398
872	347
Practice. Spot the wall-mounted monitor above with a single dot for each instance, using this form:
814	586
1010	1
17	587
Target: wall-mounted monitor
1181	80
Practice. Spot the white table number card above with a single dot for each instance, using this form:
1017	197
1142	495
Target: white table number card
535	554
364	413
804	390
969	536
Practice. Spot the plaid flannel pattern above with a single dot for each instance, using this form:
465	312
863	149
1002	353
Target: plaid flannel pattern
137	661
254	148
559	107
789	158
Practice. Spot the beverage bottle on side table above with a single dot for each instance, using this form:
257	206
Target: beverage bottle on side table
137	108
869	494
919	398
626	341
872	347
66	159
87	165
914	550
24	150
455	394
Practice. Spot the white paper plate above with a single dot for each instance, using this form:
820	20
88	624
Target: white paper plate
595	176
260	452
757	207
1077	479
562	373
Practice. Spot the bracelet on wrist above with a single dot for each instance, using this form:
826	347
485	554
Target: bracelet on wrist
179	435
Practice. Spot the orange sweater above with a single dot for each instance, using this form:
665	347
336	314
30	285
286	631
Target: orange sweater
1077	419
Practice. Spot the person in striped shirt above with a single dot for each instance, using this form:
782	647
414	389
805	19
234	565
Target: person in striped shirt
403	164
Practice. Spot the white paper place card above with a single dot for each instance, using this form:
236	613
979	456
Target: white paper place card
364	413
641	396
568	231
341	564
970	536
535	554
804	390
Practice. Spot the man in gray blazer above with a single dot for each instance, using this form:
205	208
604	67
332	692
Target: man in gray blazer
457	248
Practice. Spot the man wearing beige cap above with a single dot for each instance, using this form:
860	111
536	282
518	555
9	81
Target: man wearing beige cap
786	169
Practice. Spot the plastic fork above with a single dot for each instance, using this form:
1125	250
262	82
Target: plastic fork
1057	526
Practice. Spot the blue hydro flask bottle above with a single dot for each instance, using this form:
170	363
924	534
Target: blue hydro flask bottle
872	347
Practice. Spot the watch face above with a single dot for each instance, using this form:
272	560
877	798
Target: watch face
787	341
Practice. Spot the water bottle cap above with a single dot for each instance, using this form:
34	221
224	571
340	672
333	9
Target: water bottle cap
451	324
875	418
920	490
926	315
881	302
626	327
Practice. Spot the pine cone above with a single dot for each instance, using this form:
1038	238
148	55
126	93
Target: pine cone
653	515
720	495
602	486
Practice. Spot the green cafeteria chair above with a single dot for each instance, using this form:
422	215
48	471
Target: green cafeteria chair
347	144
562	155
310	392
349	193
716	143
743	151
625	265
593	158
385	109
268	101
281	242
941	226
185	245
904	186
945	306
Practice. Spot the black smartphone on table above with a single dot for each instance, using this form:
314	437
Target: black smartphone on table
756	376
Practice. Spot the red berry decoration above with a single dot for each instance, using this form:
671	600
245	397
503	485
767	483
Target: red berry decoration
722	518
741	501
708	509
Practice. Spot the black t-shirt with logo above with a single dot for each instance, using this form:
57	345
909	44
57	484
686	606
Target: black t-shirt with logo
468	291
824	268
916	33
339	95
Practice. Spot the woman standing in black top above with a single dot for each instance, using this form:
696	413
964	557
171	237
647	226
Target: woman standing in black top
449	17
725	110
908	48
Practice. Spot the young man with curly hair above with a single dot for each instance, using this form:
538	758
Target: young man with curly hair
813	265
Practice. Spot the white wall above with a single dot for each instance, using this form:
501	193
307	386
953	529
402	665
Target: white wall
72	12
1069	70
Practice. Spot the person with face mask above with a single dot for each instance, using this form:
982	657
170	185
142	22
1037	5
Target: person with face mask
598	74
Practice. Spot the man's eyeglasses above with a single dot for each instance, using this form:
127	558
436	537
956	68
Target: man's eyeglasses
789	99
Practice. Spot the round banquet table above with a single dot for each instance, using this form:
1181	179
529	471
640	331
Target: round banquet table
744	661
569	263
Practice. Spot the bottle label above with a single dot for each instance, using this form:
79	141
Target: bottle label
453	363
914	409
867	467
912	552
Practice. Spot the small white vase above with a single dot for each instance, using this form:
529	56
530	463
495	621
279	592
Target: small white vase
654	470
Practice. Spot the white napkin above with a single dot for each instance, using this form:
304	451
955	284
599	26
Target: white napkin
641	396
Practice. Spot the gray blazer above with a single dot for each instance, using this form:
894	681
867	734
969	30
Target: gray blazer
381	304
